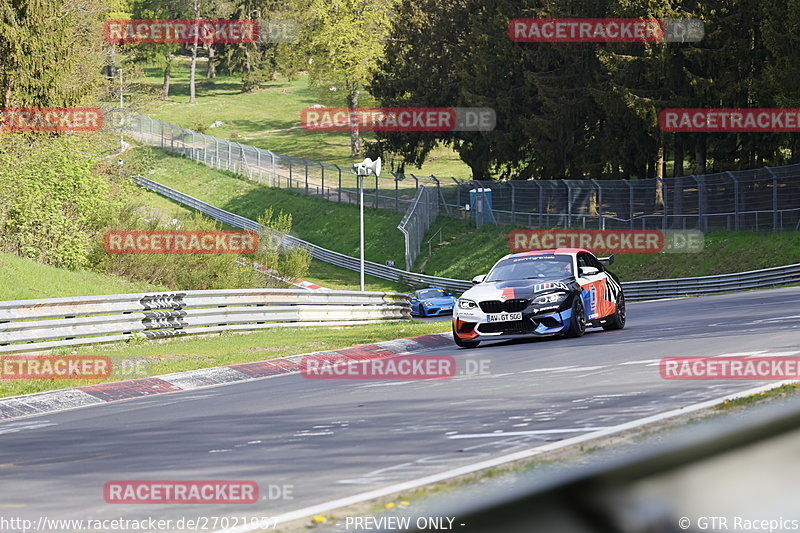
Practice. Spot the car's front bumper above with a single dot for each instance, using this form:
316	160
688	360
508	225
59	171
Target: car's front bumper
473	325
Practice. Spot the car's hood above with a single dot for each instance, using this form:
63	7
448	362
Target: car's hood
439	300
509	290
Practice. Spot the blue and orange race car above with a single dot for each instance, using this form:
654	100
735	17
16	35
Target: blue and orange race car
540	293
432	302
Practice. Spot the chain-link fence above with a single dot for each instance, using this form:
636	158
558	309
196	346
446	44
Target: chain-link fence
421	214
766	199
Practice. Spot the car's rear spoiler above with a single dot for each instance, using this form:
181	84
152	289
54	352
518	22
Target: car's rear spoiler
609	259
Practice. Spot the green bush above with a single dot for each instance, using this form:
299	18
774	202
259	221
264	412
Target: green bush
53	200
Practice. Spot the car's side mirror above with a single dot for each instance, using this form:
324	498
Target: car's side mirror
478	279
589	271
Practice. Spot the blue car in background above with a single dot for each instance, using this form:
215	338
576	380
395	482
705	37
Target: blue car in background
432	302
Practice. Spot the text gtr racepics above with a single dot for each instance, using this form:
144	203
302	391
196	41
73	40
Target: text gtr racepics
540	293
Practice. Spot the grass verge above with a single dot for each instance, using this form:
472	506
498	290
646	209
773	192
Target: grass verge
22	279
190	353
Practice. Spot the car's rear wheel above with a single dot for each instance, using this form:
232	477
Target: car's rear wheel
618	318
577	324
462	343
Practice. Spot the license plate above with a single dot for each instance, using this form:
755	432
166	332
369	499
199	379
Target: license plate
503	317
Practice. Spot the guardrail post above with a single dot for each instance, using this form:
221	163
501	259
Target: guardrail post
774	199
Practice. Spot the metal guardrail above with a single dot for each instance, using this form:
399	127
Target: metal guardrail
634	290
41	324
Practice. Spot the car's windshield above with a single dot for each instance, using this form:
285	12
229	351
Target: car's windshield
431	293
533	266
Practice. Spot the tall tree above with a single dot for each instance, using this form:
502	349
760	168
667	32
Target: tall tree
51	53
345	41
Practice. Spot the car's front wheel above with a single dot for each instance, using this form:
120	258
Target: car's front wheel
421	311
461	343
577	324
618	318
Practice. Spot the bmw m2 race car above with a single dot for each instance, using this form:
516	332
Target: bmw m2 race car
540	293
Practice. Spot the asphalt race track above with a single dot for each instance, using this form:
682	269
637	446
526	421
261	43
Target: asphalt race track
333	438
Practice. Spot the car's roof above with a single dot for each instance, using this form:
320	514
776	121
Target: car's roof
550	251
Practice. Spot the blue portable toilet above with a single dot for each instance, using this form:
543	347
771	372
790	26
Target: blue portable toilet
480	204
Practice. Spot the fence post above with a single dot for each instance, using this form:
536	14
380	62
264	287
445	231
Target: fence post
230	156
513	202
340	183
601	223
702	220
290	172
458	192
376	191
774	199
258	164
569	203
735	200
630	200
322	170
396	190
541	201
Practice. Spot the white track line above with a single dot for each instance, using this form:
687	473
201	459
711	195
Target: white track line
521	433
469	469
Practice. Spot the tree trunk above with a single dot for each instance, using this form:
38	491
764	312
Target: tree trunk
700	154
193	67
167	74
355	140
212	67
677	171
660	176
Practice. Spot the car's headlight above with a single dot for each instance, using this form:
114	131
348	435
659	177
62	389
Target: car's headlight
552	298
466	304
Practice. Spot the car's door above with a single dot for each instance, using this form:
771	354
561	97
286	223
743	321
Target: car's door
597	300
415	302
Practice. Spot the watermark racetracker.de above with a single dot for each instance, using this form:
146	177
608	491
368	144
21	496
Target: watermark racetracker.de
596	30
50	119
180	242
399	119
608	241
729	120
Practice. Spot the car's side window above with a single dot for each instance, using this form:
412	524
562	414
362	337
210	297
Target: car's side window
582	261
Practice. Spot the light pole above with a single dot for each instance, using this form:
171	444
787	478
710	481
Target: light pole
362	170
121	113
